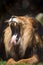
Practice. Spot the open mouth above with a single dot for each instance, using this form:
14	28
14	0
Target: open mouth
15	31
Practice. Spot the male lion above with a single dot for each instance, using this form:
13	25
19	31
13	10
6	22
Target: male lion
23	40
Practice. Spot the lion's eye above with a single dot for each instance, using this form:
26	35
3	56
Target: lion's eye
15	24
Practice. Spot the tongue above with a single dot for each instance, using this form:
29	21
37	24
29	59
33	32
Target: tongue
14	42
13	39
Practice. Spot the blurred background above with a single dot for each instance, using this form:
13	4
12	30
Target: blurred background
21	8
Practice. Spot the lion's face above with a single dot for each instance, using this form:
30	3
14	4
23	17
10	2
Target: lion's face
19	35
12	32
22	31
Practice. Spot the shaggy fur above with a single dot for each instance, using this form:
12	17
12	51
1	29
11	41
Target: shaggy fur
30	44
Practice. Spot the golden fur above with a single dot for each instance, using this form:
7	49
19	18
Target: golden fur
31	41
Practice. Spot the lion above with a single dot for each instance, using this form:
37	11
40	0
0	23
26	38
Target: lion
23	40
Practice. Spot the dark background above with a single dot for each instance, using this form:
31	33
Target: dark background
15	7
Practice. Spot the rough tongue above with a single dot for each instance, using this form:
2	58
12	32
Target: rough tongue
13	39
